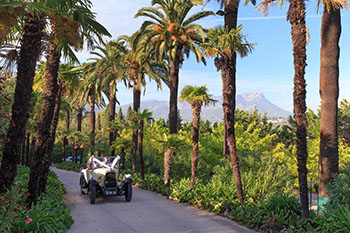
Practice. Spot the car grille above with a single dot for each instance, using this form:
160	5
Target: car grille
110	180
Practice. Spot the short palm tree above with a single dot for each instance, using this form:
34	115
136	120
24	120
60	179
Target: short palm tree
196	97
221	44
122	144
173	33
168	144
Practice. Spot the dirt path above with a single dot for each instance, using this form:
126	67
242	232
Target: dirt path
148	212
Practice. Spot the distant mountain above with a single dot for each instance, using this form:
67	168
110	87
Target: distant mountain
213	113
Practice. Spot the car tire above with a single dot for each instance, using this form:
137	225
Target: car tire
81	185
128	192
92	194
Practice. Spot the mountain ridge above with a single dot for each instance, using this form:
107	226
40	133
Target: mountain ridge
246	102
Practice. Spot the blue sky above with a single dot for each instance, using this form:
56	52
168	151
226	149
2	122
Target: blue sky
269	69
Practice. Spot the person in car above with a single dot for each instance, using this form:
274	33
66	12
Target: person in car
107	161
91	163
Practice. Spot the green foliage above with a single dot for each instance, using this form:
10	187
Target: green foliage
339	189
70	166
6	96
13	210
220	39
49	215
280	213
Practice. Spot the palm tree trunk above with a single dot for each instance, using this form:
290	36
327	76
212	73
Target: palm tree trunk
65	138
122	158
167	166
226	149
92	120
142	171
196	107
173	86
44	140
80	117
329	90
228	74
136	107
23	152
296	17
77	149
31	45
27	150
112	101
31	152
53	127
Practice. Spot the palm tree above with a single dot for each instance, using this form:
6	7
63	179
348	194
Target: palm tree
223	44
67	31
173	34
91	90
122	144
139	61
31	44
196	97
109	61
296	17
329	91
168	144
143	116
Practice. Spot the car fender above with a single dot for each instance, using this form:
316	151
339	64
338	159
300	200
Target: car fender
127	179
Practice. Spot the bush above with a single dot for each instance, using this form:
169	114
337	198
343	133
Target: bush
49	215
336	216
280	213
69	166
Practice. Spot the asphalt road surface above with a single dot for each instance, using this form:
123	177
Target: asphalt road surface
147	212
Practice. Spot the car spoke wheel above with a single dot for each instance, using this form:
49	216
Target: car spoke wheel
82	182
92	194
128	192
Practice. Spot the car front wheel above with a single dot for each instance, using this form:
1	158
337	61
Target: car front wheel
92	194
128	192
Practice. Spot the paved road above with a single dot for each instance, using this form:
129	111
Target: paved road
148	212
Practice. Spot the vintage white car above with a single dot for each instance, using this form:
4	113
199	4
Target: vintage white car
103	180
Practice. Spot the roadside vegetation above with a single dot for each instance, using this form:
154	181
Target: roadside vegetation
49	215
245	167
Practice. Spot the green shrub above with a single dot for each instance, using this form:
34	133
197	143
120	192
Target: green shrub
49	215
339	189
336	218
69	166
279	213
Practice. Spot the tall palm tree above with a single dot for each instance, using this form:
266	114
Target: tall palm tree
196	97
77	25
329	91
31	44
223	44
109	61
173	33
139	62
296	17
91	91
